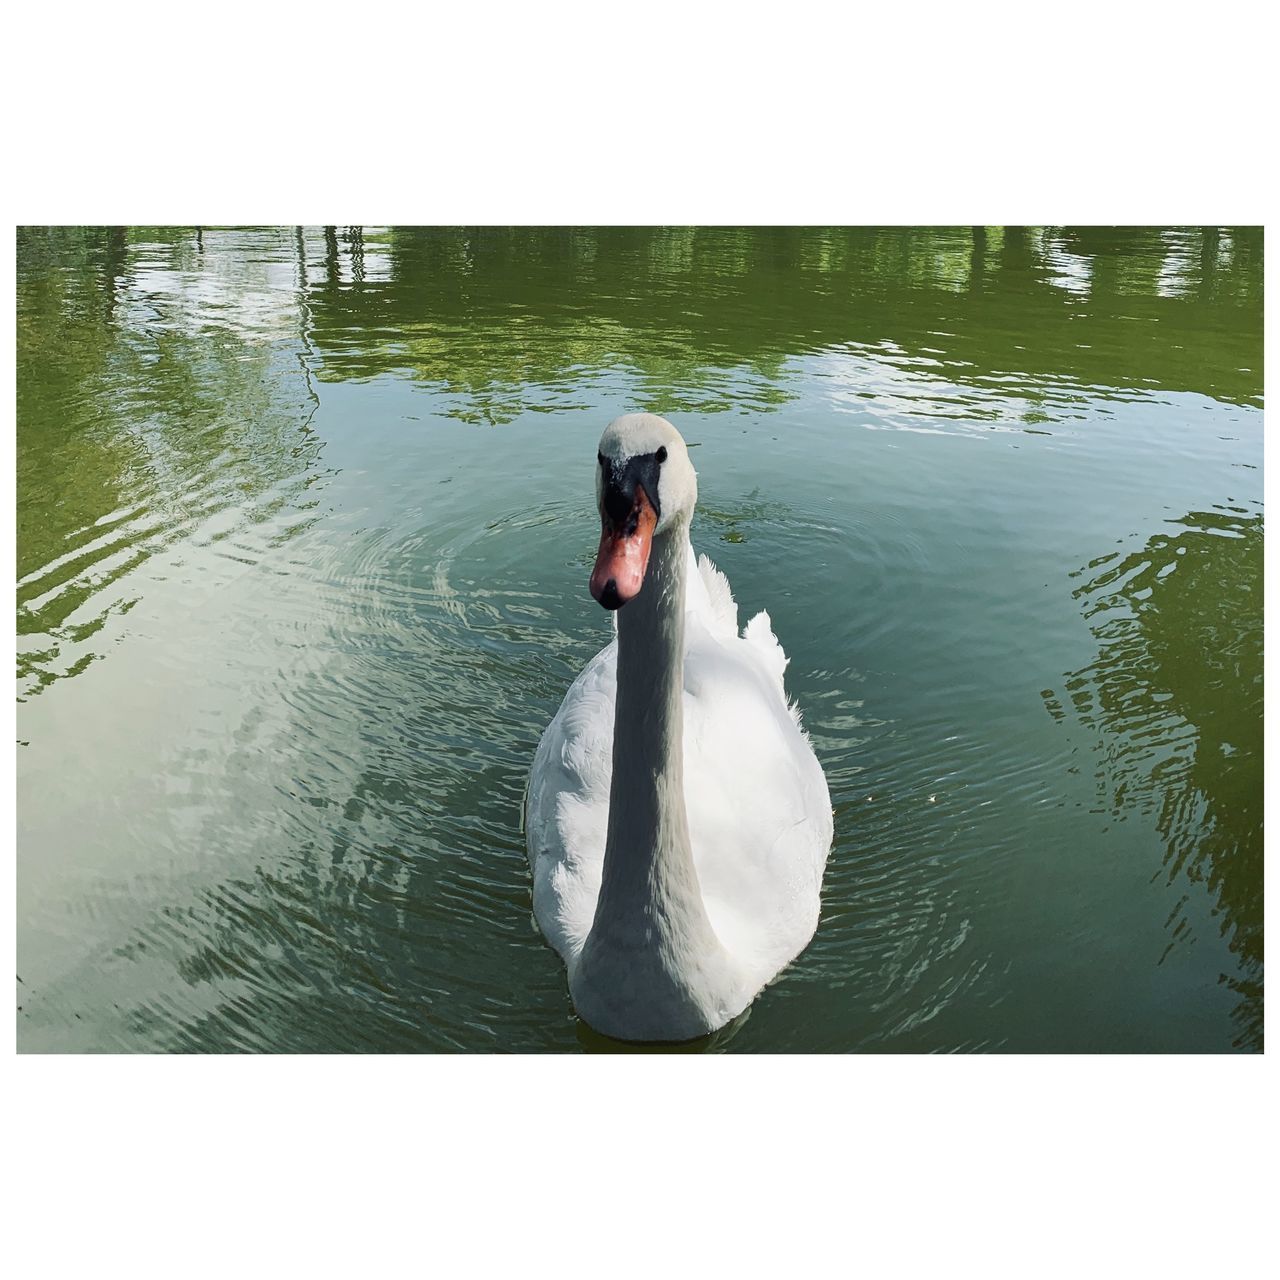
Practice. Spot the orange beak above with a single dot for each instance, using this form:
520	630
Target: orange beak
623	556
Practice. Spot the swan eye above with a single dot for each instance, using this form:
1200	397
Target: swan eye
600	458
661	455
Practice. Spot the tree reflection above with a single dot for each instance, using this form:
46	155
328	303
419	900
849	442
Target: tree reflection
69	280
499	315
151	397
1176	692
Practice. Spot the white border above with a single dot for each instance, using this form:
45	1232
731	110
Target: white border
637	114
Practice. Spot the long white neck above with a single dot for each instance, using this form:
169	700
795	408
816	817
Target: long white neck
649	887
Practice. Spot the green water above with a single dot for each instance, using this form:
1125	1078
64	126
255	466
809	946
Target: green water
305	521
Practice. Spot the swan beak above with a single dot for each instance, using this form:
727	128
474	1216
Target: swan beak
624	552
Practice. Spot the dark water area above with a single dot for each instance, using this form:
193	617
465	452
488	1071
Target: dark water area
305	519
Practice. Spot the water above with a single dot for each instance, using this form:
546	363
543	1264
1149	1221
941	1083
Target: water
304	529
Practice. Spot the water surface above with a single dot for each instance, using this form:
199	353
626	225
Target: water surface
304	528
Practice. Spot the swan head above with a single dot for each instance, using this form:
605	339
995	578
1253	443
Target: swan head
645	485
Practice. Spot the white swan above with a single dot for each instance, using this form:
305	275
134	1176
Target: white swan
677	861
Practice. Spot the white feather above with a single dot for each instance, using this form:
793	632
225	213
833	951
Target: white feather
759	811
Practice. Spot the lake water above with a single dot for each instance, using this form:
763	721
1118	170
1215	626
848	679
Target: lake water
305	521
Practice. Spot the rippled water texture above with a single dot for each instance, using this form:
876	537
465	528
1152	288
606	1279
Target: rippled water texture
304	529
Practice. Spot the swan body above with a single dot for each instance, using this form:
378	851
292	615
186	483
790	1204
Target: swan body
678	821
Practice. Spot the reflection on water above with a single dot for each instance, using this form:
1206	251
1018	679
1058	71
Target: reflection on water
508	320
689	306
304	523
153	415
1176	698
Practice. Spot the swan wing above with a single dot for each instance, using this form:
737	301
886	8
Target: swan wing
567	809
708	597
759	810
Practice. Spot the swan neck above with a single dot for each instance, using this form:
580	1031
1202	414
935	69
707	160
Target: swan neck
651	652
648	864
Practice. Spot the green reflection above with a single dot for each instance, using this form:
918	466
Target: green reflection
151	400
1176	694
507	317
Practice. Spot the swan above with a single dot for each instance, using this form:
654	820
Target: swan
677	820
